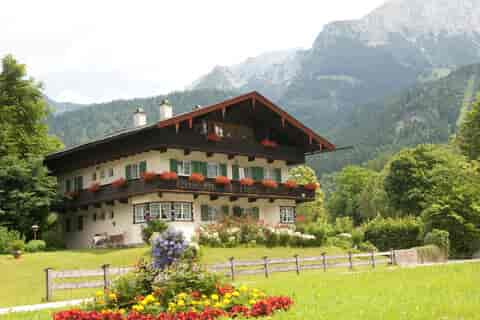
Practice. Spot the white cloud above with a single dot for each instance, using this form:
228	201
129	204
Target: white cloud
101	50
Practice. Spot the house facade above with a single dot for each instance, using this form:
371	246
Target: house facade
231	158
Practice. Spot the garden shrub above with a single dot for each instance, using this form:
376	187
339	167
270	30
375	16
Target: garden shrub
6	238
54	239
343	225
389	233
153	226
430	253
17	245
367	247
320	231
271	239
340	242
35	246
439	238
358	235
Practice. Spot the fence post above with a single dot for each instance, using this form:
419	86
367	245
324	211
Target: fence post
392	257
373	259
48	284
297	264
324	261
350	260
105	276
232	268
265	266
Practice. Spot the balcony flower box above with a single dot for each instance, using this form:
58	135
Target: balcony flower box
213	137
222	181
169	176
311	186
269	143
149	176
72	194
269	184
119	183
290	184
196	177
247	182
94	187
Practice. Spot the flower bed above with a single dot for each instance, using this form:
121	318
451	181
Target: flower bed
222	180
94	187
119	183
149	176
196	177
169	176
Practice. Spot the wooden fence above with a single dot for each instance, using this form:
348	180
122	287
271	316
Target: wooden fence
232	269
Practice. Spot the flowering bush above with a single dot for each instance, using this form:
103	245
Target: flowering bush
169	176
120	182
214	137
269	184
149	176
247	182
311	186
94	187
290	184
196	177
269	143
222	180
168	248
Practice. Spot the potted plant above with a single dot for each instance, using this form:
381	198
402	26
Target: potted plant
222	180
17	246
290	184
196	177
94	187
269	143
267	183
213	137
149	176
311	186
247	182
119	183
169	176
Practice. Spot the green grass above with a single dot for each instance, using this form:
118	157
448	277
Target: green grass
439	292
23	280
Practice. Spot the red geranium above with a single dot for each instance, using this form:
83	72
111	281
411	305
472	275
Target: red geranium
169	176
222	180
72	194
120	182
213	137
149	176
247	182
269	143
311	186
196	177
290	184
222	290
269	184
94	187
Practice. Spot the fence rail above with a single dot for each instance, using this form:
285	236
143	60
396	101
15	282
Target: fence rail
232	269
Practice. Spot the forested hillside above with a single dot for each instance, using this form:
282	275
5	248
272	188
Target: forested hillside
94	121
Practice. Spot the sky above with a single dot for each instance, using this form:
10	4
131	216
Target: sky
95	51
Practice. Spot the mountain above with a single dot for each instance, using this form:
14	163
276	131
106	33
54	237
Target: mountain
96	120
60	107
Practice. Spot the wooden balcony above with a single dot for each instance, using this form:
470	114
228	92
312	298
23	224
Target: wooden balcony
108	193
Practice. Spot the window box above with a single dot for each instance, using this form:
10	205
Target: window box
222	180
196	177
269	143
95	187
213	137
169	176
269	184
311	186
247	182
72	194
149	176
290	184
119	183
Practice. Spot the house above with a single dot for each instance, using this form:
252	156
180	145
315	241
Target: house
229	158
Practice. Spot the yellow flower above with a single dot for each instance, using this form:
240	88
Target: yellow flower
226	301
193	310
121	311
112	296
99	293
204	296
214	297
180	303
138	308
228	295
235	294
217	305
206	303
182	295
251	301
171	305
243	289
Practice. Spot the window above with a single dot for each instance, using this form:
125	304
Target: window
112	214
212	170
166	211
68	185
208	213
68	225
110	172
94	176
154	210
140	212
269	174
135	170
80	223
182	211
184	168
218	130
102	174
253	213
204	129
245	173
78	183
287	215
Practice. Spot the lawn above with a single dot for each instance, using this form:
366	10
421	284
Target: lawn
439	292
23	281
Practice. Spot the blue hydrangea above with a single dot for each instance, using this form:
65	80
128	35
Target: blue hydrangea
167	248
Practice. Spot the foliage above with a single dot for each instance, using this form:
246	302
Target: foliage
343	225
6	237
35	246
17	245
152	226
389	233
439	238
345	200
167	248
469	134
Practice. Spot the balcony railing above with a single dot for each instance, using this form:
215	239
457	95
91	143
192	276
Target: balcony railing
109	193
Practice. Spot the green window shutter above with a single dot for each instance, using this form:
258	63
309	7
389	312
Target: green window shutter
143	167
278	175
203	168
223	169
68	185
128	172
257	173
256	213
237	212
196	166
80	183
235	172
225	210
204	212
173	165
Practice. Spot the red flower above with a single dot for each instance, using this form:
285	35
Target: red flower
222	180
290	184
247	182
269	143
120	182
311	186
222	290
213	137
169	176
196	294
94	187
149	176
269	184
300	218
196	177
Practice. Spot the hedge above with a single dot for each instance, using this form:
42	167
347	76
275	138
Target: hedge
389	233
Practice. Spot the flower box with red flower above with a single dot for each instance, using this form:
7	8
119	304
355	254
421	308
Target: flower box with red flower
213	137
269	184
94	187
222	180
72	194
169	176
247	182
119	183
149	176
311	186
196	177
269	143
290	184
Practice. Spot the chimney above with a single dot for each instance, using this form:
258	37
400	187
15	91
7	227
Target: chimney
139	118
166	110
